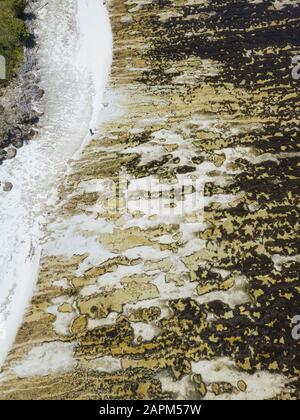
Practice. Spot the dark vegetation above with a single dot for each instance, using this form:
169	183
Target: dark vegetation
13	34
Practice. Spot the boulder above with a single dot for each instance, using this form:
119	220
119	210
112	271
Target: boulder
2	154
11	152
34	92
7	186
18	143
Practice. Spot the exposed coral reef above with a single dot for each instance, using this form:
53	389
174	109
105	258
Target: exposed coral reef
133	304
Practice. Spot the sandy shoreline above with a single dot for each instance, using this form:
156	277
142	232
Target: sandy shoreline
72	102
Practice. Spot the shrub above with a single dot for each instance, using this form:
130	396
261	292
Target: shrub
17	6
13	33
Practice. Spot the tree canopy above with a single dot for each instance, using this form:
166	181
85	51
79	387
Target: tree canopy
13	33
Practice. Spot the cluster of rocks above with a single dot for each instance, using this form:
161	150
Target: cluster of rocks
19	115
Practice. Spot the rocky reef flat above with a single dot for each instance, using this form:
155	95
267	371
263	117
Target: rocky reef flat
137	303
